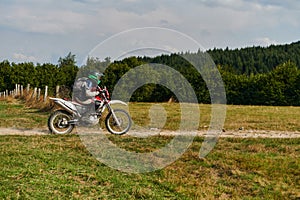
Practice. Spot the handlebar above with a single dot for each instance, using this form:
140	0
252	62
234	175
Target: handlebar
99	89
103	92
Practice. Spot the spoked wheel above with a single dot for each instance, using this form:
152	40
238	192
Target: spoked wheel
119	125
58	122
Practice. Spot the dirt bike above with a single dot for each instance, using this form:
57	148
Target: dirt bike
72	113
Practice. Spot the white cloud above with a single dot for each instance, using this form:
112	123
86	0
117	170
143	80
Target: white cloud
24	58
240	5
52	21
265	41
266	5
286	4
50	27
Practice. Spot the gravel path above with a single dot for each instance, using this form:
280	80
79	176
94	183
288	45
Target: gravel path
228	134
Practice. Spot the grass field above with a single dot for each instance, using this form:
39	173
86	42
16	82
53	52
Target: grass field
60	167
249	117
275	118
15	114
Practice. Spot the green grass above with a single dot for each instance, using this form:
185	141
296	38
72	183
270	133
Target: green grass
15	114
276	118
281	118
59	167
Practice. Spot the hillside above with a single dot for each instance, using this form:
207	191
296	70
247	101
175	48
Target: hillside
253	60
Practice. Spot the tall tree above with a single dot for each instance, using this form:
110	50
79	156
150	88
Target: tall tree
67	70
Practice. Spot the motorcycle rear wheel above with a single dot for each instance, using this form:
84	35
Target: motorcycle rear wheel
58	122
124	120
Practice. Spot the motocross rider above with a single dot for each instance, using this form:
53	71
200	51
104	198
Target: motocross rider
84	92
85	89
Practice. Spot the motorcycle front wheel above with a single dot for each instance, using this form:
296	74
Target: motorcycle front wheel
121	124
58	122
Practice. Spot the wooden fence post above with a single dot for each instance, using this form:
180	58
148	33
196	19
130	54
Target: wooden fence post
39	94
34	93
46	93
57	91
16	90
28	88
21	90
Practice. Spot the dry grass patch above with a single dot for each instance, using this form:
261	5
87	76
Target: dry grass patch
237	117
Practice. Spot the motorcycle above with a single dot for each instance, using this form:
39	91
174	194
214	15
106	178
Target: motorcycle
72	113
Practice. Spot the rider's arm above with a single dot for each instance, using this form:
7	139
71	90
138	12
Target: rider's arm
89	92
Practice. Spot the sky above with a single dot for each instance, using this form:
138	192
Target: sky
41	31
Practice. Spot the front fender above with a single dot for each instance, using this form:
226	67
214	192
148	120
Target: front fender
117	102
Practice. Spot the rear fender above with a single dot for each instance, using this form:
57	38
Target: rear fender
68	106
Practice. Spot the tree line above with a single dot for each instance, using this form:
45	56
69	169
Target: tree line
255	60
38	75
251	76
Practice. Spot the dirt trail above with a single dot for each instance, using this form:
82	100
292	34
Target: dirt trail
228	134
20	131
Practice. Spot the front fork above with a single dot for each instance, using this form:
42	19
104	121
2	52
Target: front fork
114	115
